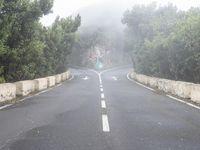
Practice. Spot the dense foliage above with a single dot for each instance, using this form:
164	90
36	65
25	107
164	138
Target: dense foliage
164	42
27	49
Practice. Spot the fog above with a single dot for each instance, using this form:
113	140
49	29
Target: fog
65	8
101	39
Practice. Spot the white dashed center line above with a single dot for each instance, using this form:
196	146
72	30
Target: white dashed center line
105	123
102	95
103	104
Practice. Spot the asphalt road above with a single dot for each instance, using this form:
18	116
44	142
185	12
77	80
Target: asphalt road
100	112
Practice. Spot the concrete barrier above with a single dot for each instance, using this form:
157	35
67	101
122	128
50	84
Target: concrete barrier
165	85
64	76
195	93
51	81
41	84
7	92
25	87
181	89
68	74
133	75
58	78
153	82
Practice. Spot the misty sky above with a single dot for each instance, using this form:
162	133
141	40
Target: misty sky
65	8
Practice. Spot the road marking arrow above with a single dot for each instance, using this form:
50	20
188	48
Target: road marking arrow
85	78
114	78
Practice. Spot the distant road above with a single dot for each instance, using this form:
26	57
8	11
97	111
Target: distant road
100	112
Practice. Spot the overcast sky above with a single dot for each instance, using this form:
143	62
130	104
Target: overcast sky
65	8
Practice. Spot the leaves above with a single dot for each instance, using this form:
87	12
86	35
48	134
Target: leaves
27	49
164	42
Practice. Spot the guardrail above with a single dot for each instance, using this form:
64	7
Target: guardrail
181	89
10	91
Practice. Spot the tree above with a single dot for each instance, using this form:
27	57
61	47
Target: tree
164	42
25	45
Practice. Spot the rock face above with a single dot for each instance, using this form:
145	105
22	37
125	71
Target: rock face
181	89
7	92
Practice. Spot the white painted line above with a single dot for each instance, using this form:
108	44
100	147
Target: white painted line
172	97
105	123
3	107
94	71
102	95
187	103
101	86
85	78
21	100
103	104
139	83
114	78
101	89
100	80
192	105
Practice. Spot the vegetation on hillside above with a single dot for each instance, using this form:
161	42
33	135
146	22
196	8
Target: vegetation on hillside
164	41
29	50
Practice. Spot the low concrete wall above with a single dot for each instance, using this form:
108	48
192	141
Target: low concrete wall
181	89
195	93
25	87
41	84
64	76
153	82
51	81
58	78
68	74
7	92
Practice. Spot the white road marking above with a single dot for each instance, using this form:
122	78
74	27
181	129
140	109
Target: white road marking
187	103
103	104
100	80
85	78
192	105
101	89
176	99
140	83
114	78
101	86
3	107
105	123
102	95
